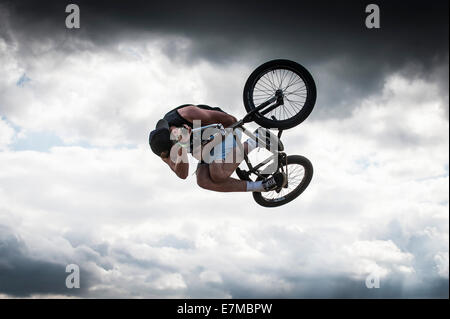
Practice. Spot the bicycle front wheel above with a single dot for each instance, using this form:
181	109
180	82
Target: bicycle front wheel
296	86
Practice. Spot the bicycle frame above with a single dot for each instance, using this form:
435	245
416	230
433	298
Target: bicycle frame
249	117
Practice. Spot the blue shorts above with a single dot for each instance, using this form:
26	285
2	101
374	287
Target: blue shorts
220	151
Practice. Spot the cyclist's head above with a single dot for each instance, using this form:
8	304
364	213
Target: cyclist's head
159	139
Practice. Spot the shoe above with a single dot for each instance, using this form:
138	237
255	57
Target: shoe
277	181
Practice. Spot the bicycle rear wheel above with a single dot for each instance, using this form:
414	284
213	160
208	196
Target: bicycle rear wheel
297	88
300	172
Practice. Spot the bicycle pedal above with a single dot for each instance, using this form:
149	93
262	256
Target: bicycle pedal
243	175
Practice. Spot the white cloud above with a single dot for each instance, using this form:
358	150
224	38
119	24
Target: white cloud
170	281
378	256
210	276
109	97
378	200
441	259
7	134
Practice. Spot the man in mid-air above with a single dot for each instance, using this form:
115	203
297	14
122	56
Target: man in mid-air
175	129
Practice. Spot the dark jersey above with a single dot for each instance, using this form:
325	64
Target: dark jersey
175	119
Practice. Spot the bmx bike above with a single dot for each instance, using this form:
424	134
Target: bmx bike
279	94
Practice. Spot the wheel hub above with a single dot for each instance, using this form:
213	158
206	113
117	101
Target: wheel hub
280	96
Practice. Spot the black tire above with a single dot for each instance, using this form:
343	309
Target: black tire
261	198
302	108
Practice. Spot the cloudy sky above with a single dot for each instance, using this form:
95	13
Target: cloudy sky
79	185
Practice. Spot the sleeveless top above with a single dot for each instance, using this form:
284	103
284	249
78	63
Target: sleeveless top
175	119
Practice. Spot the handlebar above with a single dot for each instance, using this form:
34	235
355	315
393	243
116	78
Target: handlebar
217	126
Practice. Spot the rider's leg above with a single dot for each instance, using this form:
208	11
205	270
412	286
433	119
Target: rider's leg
221	170
228	185
220	175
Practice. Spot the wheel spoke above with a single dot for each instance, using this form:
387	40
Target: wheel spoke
297	81
266	84
295	177
291	79
285	73
273	81
292	86
294	106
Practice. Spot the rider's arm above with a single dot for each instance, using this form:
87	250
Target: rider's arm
181	164
207	117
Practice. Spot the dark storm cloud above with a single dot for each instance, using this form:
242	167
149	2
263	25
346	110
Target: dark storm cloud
348	60
332	286
125	257
23	276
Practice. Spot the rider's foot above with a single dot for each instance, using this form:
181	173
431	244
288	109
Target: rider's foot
278	180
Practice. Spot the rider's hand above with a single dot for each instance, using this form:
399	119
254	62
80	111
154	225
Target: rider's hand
182	134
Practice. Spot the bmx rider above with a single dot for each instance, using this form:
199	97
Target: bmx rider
175	129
